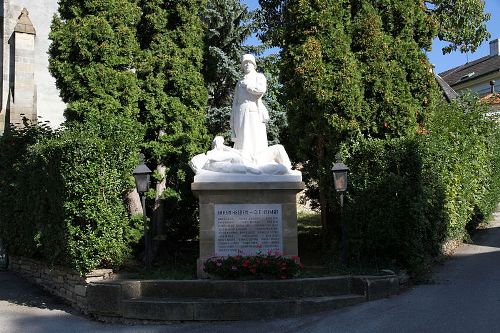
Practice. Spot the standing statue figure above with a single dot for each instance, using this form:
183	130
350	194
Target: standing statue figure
249	115
250	154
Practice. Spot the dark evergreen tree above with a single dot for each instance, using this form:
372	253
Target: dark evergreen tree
173	105
105	54
228	23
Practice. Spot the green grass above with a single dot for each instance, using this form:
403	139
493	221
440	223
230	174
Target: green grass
308	221
180	271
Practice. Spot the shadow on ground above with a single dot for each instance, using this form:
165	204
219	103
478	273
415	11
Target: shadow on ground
16	290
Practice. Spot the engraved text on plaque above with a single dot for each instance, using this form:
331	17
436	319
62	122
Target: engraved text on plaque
247	229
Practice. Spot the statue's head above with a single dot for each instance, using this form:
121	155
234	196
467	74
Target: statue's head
218	143
248	63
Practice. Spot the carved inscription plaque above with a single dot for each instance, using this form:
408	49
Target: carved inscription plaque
248	228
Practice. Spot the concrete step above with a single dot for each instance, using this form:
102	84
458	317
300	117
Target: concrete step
232	300
181	309
272	289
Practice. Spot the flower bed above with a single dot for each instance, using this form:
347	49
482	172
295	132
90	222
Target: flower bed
260	266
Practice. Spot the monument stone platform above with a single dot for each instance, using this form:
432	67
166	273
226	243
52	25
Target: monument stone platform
247	217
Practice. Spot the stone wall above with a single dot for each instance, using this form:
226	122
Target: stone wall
59	281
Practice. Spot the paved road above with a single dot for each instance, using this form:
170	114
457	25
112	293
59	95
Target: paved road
465	297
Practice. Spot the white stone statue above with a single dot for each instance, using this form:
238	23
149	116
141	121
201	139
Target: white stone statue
249	115
250	155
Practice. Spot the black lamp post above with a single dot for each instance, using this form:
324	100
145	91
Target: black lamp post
4	257
142	176
340	171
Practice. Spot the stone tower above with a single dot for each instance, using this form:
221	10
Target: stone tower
28	90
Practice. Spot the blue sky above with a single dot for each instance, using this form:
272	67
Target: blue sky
436	57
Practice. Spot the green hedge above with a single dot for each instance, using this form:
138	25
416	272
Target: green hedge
385	209
62	196
462	160
408	196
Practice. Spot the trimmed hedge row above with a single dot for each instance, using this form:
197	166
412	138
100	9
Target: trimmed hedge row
62	193
409	195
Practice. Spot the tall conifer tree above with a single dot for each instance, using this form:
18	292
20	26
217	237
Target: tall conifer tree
356	68
173	103
322	85
92	56
387	38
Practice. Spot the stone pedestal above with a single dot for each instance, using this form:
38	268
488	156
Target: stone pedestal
246	217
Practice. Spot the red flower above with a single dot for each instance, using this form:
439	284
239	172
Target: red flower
274	264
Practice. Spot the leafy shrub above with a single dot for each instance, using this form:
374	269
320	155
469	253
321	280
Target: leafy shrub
385	209
16	229
407	196
461	160
65	199
260	266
